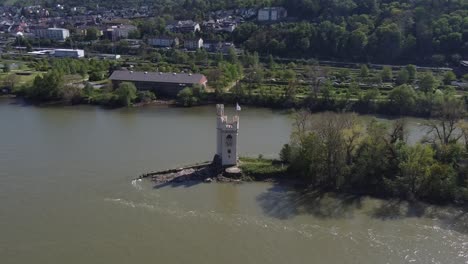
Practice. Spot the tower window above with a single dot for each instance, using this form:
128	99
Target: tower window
229	140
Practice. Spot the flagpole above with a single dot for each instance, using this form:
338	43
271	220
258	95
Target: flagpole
238	108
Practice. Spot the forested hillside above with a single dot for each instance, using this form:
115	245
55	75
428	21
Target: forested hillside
417	31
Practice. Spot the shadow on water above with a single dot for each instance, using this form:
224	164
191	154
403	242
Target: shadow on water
174	184
287	202
397	209
448	217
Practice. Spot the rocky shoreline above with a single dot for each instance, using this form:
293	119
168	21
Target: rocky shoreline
204	172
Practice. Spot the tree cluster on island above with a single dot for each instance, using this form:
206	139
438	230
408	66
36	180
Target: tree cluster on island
339	152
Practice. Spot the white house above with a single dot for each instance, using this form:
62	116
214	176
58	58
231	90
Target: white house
68	53
59	34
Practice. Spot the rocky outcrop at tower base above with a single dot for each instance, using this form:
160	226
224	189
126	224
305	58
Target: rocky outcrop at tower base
205	172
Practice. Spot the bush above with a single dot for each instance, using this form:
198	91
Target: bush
145	97
261	168
186	97
285	154
126	93
105	99
96	76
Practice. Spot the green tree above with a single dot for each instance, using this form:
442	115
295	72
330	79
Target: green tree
428	82
368	100
364	72
126	93
412	71
271	62
447	111
232	56
186	97
402	99
145	96
386	74
6	67
10	81
449	77
440	184
371	163
285	153
415	167
47	87
88	89
92	33
95	76
358	42
403	76
134	34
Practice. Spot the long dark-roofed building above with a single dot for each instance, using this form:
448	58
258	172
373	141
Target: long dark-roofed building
162	84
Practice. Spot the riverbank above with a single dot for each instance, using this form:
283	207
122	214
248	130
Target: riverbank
384	108
266	170
249	170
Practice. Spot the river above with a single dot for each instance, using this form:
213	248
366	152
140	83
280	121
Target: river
67	196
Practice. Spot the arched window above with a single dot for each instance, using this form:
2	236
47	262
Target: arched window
229	140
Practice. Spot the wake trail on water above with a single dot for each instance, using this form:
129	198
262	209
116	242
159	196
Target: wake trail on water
391	245
136	184
235	220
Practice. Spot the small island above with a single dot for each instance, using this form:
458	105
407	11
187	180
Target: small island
226	165
338	153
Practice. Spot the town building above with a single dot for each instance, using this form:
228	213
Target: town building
162	84
226	27
272	14
185	26
164	42
220	25
119	32
58	34
193	44
69	53
108	56
58	53
217	46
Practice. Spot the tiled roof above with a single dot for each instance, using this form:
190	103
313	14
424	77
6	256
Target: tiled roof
157	77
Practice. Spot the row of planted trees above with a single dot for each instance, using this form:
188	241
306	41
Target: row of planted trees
339	152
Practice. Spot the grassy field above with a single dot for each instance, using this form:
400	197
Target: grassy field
344	82
260	168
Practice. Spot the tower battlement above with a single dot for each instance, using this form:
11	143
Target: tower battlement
227	123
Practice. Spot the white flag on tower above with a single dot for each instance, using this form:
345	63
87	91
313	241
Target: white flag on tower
238	108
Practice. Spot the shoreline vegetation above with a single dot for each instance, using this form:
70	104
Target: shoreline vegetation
240	78
340	153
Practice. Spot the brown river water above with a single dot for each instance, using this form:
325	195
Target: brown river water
67	195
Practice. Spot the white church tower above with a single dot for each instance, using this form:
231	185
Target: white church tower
226	136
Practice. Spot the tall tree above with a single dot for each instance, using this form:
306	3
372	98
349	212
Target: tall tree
126	93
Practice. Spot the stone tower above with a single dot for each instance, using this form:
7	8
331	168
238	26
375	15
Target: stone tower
226	137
